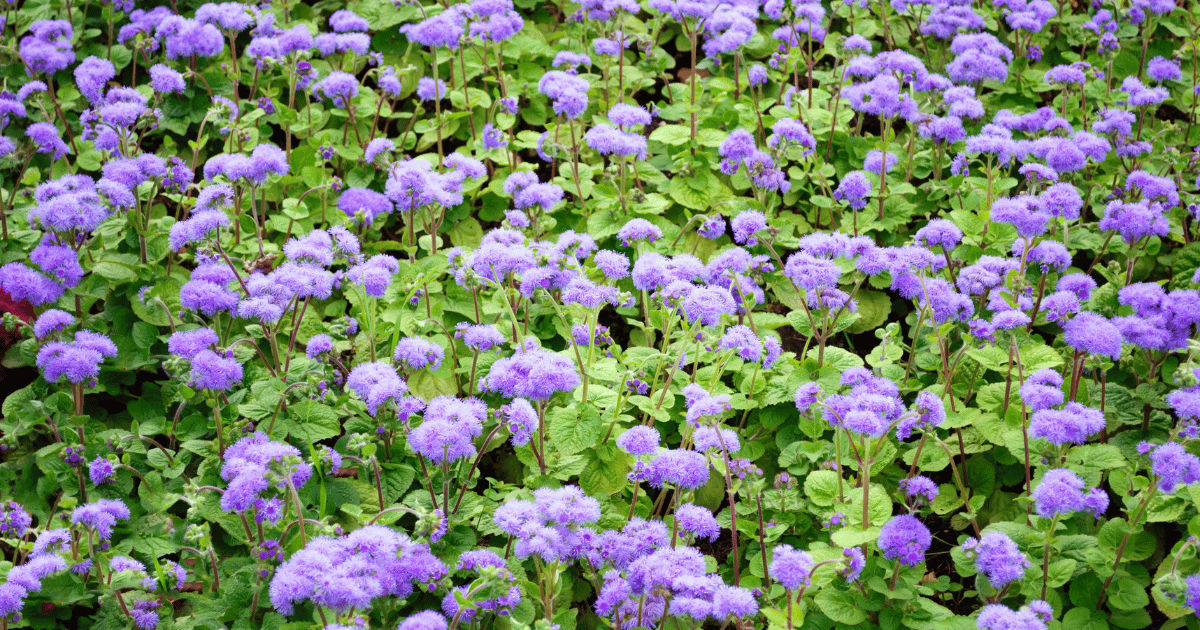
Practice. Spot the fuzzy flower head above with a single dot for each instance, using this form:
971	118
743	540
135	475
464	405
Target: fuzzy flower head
997	558
1062	493
905	539
791	567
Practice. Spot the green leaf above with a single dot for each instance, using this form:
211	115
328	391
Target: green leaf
1060	572
840	606
1103	456
820	487
605	471
838	358
1084	618
673	135
848	537
573	429
311	421
144	335
1127	594
1085	590
873	309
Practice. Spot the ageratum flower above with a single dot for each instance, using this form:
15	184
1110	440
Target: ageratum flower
533	374
791	567
1071	425
997	558
449	428
353	571
1061	493
1093	334
919	487
417	354
639	440
376	383
905	539
247	464
700	522
1001	617
101	515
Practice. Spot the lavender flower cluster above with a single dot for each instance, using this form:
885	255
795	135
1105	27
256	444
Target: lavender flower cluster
598	313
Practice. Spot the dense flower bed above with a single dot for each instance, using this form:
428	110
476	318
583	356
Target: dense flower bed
603	315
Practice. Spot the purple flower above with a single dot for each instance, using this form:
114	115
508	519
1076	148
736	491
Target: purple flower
919	487
733	601
1042	389
424	620
639	230
746	224
567	93
1160	70
429	90
940	232
480	337
639	440
1174	467
713	227
686	469
628	116
1061	492
368	202
706	305
533	374
1071	425
606	140
354	570
997	558
413	354
52	321
100	470
376	383
374	275
855	563
791	567
101	515
46	139
806	395
14	520
1001	617
879	163
699	522
853	190
78	361
493	138
905	539
215	372
1093	334
448	431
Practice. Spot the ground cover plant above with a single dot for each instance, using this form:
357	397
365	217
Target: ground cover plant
509	314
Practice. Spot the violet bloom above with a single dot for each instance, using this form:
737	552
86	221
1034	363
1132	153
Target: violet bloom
533	374
698	521
791	567
1174	467
100	470
376	383
1061	492
252	462
1073	424
905	539
414	353
101	515
639	230
997	558
449	428
353	571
